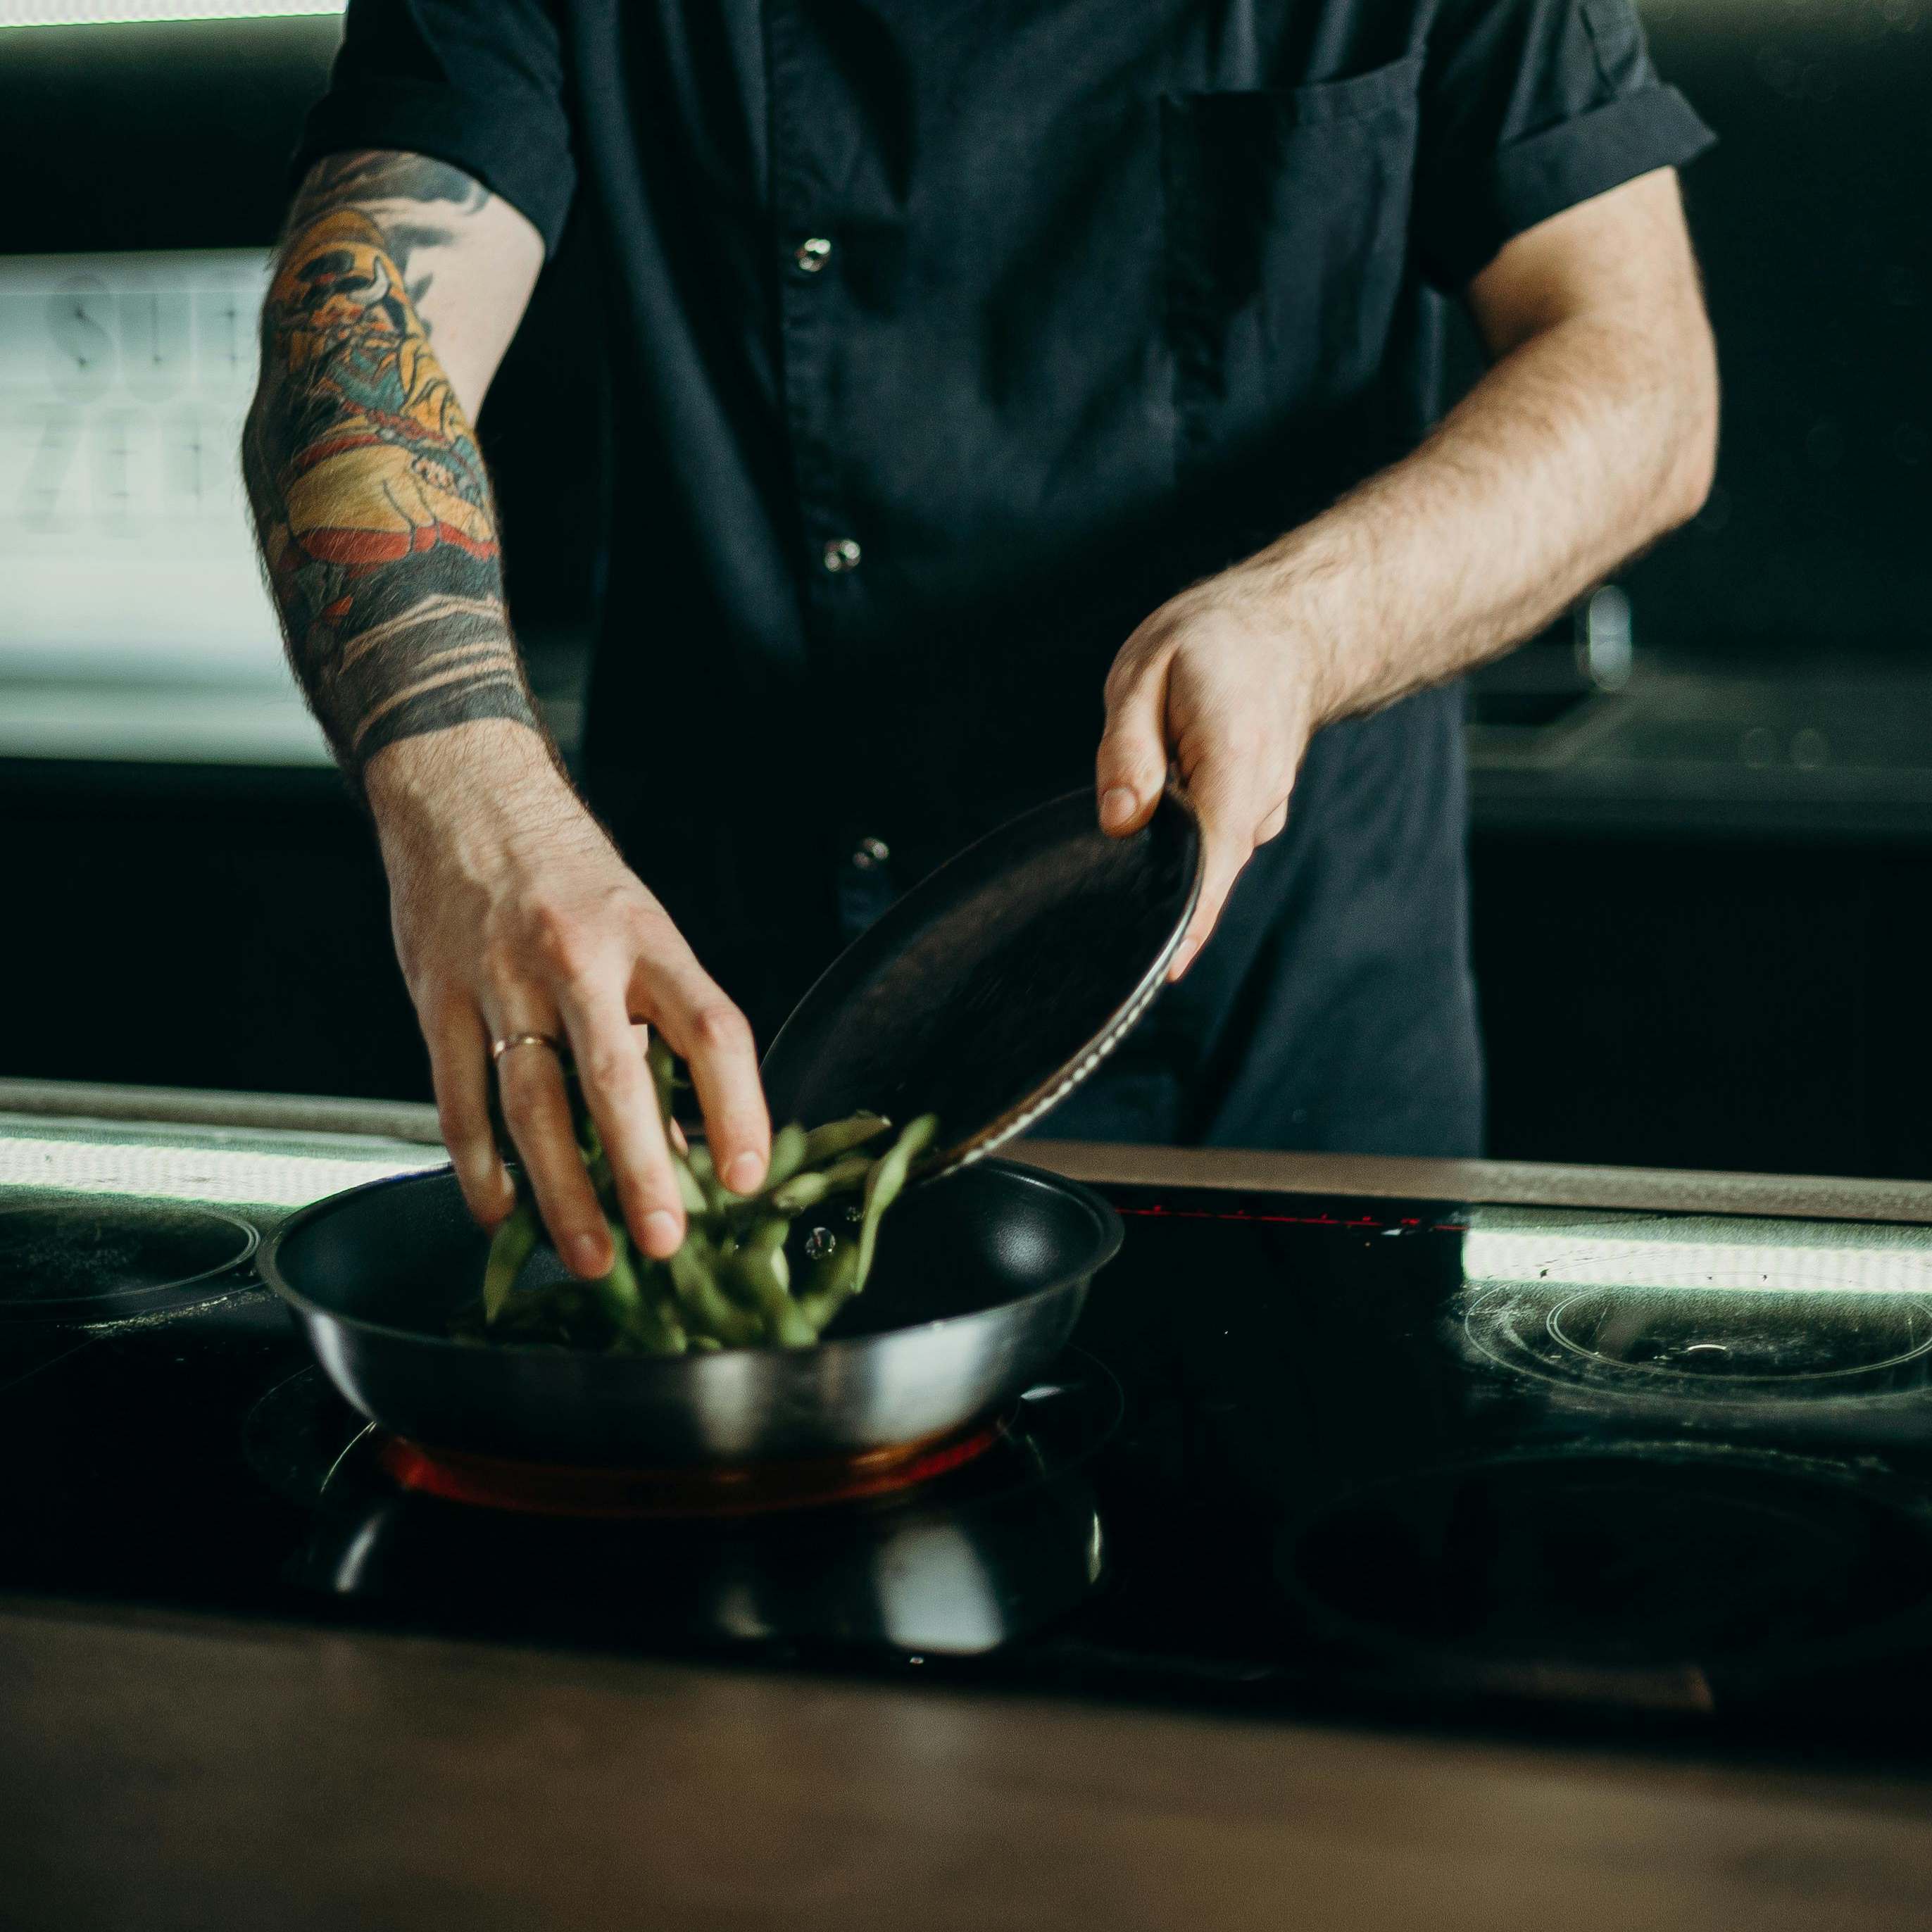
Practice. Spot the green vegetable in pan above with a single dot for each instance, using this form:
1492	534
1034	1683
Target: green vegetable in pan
745	1277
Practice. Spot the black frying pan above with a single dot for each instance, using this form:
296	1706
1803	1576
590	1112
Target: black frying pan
978	1280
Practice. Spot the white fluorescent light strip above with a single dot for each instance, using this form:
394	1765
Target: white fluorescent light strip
59	13
252	1178
1891	1262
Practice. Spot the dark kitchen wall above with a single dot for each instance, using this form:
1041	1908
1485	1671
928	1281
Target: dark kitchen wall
1811	221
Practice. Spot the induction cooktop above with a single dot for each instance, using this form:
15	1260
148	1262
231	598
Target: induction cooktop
1597	1472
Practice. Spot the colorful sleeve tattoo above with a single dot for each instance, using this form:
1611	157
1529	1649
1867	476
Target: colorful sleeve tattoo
372	506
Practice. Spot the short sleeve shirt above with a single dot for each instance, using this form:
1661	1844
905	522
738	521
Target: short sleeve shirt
948	337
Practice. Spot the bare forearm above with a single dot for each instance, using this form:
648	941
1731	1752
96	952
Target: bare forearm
372	506
1581	446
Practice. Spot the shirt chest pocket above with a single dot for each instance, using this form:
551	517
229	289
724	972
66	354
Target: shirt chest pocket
1285	247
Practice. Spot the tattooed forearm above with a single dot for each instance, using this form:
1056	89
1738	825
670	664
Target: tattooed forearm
371	503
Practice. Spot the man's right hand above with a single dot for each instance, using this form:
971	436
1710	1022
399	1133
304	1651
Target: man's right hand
513	913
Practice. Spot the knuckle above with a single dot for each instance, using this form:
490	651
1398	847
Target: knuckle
558	940
647	926
612	1069
499	962
648	1188
718	1026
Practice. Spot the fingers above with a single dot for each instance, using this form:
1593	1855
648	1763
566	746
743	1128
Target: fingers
536	1109
1131	767
616	1084
1230	833
1221	861
714	1039
459	1059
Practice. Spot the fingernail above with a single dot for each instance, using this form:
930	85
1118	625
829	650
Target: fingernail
1182	953
744	1172
661	1233
1117	805
587	1256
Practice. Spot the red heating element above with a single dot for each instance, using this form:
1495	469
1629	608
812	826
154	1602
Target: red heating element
730	1489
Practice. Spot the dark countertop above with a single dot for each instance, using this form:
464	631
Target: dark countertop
168	1772
1774	750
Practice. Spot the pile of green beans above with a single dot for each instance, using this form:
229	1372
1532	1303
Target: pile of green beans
738	1280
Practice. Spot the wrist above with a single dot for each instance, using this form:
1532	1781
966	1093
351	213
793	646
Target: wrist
1292	601
464	777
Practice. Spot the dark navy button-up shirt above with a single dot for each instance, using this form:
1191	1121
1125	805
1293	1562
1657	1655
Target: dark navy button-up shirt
948	337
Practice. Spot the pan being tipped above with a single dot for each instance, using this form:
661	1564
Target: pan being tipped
996	985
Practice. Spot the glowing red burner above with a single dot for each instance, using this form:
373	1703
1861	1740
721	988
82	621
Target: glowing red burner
746	1488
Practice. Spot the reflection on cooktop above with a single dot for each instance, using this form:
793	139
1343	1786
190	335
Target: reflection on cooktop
1662	1564
989	1552
1734	1344
95	1258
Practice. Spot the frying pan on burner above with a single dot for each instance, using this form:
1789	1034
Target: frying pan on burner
982	995
978	1280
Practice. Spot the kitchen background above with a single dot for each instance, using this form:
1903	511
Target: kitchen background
1702	830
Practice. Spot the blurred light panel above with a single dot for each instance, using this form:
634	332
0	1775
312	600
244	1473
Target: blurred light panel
250	1177
133	623
79	14
1535	1248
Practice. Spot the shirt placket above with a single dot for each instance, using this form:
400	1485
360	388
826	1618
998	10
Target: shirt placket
812	303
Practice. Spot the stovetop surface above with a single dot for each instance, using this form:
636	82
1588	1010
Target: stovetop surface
1583	1471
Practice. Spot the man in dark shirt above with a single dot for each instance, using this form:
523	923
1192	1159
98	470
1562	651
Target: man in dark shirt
990	378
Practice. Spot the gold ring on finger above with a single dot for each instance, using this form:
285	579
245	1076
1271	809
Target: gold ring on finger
498	1047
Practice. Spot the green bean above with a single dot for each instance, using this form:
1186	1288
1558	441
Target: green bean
717	1196
705	1307
837	1137
729	1285
652	1320
690	1190
510	1248
760	1264
835	1280
884	1183
663	1072
618	1287
807	1189
791	1146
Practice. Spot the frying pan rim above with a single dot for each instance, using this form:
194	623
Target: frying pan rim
1107	1224
978	1147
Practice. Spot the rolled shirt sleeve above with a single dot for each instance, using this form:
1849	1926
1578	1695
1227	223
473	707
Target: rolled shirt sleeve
1529	107
477	83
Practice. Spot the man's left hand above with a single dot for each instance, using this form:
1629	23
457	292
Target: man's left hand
1218	685
1593	431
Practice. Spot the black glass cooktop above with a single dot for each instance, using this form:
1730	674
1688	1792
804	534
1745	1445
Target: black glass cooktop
1403	1461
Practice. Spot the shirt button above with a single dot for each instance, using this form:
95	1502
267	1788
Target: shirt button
840	555
870	854
812	254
